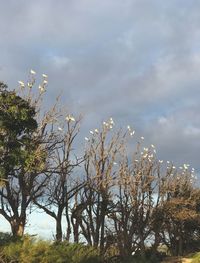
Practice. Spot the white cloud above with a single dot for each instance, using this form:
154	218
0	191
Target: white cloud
192	131
162	120
59	62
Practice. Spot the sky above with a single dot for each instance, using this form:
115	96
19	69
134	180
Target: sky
137	61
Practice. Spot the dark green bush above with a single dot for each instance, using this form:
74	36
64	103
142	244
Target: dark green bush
5	238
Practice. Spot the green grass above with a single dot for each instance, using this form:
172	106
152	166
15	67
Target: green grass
195	258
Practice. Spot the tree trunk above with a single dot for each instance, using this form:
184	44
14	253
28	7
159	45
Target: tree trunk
17	227
68	230
180	246
59	227
156	242
103	212
142	247
75	230
102	238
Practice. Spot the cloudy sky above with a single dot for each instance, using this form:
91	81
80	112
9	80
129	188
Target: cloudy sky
135	60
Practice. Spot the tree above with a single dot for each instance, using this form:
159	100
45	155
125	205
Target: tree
17	123
134	201
178	213
17	154
62	184
26	144
89	214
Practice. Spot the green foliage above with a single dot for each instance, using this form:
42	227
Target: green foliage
74	253
32	251
17	124
16	114
12	252
196	258
6	238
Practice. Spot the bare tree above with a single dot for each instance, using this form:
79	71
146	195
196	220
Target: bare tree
92	204
134	201
62	184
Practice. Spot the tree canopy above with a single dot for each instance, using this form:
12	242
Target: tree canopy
17	123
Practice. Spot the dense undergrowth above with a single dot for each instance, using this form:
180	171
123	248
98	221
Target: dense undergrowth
32	250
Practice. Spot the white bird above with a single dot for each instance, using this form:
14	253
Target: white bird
41	88
21	83
32	72
111	121
132	133
70	118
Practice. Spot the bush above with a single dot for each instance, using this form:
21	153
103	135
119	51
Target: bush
31	250
6	238
38	251
11	252
72	253
196	258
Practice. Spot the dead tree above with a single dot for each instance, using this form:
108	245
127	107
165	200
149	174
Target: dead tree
91	207
62	184
134	201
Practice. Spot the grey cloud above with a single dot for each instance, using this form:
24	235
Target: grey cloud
137	61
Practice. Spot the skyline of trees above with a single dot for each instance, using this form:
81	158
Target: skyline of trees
111	195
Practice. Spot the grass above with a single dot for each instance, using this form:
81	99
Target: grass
195	258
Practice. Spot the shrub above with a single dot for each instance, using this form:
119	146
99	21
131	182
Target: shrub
72	253
196	258
11	252
6	238
39	251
